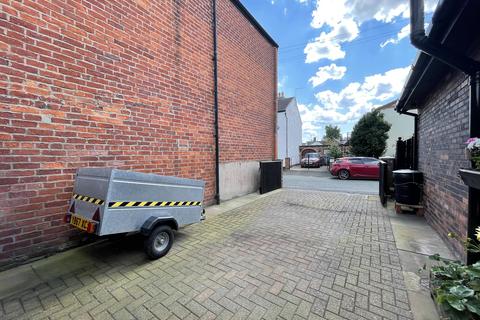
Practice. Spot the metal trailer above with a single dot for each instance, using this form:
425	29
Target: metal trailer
108	201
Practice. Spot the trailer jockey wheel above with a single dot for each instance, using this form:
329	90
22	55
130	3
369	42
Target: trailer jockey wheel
159	242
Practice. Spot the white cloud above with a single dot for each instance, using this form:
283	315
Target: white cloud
384	10
350	103
273	2
319	50
403	33
325	73
341	21
282	83
327	45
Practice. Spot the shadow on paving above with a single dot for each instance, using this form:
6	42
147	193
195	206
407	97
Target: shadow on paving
294	254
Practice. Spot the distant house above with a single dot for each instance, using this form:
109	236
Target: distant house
445	95
322	147
289	130
403	126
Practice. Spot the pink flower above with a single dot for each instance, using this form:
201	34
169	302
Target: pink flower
471	140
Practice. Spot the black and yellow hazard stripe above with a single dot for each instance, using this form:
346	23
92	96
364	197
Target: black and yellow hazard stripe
131	204
88	199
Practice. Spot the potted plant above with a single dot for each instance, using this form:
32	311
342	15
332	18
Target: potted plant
473	151
471	177
456	286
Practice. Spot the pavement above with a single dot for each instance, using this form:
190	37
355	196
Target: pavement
320	179
416	241
291	254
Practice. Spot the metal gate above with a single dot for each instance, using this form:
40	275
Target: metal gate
405	154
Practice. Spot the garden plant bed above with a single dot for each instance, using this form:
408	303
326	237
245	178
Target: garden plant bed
455	288
443	311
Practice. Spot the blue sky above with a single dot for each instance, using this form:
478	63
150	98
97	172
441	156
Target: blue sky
340	58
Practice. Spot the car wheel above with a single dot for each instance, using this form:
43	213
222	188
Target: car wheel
159	242
343	174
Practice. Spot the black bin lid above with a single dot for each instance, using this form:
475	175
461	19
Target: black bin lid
406	171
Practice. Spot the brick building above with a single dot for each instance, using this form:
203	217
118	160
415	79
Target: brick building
322	147
442	98
128	84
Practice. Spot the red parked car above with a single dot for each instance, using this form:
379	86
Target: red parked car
356	167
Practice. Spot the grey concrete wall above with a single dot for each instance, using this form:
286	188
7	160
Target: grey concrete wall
238	178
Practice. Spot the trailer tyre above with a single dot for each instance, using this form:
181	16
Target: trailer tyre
159	242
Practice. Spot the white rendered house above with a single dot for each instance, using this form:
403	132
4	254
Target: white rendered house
289	130
403	126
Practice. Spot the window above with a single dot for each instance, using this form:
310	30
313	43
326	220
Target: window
370	161
356	161
311	155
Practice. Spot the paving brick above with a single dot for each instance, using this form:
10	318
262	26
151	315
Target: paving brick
303	309
244	265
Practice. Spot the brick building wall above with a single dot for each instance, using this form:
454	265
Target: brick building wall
247	114
247	102
443	130
125	84
322	149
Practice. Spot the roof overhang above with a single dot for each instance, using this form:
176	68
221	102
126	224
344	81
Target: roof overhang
254	22
455	24
390	105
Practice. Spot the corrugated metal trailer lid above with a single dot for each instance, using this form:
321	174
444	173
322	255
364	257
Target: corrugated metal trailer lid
139	176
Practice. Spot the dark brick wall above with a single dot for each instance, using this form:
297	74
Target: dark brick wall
443	130
125	84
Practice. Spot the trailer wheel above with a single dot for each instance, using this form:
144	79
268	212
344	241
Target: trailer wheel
159	242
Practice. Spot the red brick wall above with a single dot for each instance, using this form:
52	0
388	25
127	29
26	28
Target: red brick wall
247	100
125	84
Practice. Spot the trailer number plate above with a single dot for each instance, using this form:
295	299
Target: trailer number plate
82	224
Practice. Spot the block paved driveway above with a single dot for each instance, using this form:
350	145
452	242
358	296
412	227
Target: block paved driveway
292	255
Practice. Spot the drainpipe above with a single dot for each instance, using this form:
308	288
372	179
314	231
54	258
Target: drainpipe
415	141
434	49
215	108
474	194
471	68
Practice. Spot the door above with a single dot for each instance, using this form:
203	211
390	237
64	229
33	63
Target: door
372	169
356	167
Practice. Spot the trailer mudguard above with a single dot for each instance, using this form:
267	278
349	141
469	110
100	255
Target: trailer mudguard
152	222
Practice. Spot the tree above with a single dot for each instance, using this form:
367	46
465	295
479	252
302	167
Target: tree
370	134
332	133
335	152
